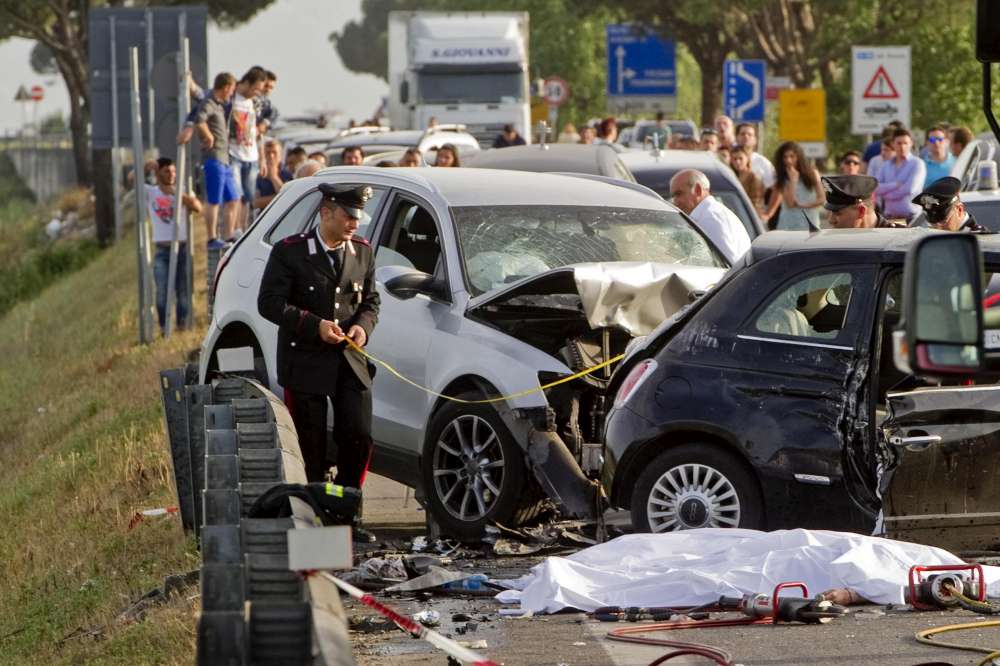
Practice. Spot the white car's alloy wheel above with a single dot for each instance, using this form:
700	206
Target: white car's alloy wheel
468	467
692	495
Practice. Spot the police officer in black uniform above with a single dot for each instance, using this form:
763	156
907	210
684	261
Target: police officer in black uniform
319	289
851	204
944	209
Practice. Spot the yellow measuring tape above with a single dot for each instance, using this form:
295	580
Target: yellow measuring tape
353	345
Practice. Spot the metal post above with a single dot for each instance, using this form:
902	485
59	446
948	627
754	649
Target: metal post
142	246
183	108
180	216
36	171
115	149
150	93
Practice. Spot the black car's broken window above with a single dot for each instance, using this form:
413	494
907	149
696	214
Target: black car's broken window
814	307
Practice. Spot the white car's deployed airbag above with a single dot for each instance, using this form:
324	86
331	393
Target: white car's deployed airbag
637	296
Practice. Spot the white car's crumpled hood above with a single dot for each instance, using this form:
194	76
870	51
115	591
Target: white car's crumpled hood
635	296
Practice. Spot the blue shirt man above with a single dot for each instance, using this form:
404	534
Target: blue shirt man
939	159
900	178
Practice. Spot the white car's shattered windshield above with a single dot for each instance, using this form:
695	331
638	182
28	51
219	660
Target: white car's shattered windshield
502	244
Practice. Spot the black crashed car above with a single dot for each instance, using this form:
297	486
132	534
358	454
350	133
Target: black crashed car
773	401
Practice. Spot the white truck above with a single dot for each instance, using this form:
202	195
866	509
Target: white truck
459	67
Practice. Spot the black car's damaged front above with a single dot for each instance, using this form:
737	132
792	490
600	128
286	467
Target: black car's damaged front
775	381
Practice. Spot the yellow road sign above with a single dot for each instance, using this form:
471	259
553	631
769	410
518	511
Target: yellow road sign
539	112
802	115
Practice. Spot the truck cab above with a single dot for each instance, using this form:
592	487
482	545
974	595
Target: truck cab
459	67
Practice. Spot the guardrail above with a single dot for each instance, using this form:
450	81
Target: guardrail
29	142
229	442
45	163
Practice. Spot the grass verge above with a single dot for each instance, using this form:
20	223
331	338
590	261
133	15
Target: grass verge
29	261
82	446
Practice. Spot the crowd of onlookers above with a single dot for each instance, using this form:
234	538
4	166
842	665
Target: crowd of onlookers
243	168
786	189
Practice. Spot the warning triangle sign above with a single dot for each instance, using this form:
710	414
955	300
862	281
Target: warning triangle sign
881	87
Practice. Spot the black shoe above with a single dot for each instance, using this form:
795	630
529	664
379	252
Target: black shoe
361	535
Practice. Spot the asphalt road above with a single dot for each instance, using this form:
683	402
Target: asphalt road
869	635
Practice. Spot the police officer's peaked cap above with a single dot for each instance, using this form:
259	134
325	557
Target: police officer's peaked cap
939	195
844	191
349	197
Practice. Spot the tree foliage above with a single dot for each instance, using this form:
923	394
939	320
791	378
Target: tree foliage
810	42
42	60
54	123
364	46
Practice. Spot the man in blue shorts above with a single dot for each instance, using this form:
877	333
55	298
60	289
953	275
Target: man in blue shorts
212	125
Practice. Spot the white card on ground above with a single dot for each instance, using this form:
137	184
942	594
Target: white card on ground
317	548
235	359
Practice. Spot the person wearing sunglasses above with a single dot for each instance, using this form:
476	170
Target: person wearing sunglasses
944	208
939	159
850	163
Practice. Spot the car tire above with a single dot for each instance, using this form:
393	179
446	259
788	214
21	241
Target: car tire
459	486
695	485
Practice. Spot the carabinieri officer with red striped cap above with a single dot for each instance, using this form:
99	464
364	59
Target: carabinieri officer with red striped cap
319	288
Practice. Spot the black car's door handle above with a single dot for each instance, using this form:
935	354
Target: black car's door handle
916	443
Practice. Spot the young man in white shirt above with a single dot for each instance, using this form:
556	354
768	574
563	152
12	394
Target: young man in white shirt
161	201
691	192
244	153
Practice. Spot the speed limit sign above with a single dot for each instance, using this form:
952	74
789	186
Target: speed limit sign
556	91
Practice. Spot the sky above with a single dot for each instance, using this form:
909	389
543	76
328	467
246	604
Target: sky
289	38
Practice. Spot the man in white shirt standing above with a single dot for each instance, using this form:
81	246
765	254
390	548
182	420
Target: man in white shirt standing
746	136
691	192
161	200
244	154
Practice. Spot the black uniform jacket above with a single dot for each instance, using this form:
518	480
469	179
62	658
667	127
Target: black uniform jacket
972	226
298	290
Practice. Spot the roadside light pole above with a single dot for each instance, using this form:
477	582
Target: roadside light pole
142	241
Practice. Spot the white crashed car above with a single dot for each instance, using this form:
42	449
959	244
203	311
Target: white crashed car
492	283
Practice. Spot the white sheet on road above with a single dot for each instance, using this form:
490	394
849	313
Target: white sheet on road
697	566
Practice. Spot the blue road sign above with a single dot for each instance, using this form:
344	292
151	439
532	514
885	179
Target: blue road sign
640	62
744	90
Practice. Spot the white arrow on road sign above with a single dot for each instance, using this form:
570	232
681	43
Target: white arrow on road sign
754	99
620	54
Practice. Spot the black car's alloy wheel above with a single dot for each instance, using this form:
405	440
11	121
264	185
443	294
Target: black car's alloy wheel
693	486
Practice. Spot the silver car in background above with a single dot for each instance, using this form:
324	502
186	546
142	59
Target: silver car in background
492	283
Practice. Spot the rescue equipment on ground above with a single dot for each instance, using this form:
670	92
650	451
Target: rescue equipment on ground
784	609
757	609
943	589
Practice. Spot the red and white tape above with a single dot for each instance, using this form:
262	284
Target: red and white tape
139	516
418	630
